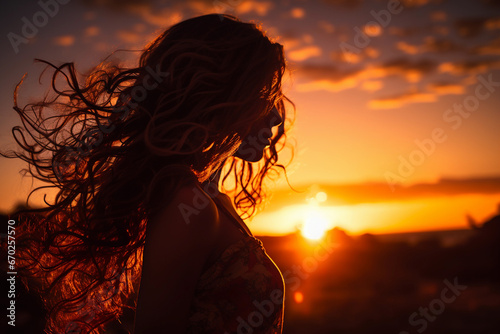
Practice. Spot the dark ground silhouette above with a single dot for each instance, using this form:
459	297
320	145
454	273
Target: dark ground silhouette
367	285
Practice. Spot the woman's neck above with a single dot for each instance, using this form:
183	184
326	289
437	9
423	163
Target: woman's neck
211	185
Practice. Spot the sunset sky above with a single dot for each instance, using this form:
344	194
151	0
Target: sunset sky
389	96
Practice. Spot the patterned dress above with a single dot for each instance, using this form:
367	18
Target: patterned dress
242	292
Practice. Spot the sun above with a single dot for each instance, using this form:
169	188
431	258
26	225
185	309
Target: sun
315	224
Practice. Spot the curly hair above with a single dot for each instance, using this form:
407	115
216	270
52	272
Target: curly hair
115	141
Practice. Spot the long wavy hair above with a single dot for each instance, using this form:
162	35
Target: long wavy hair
118	142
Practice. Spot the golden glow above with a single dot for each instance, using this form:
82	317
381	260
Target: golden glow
321	197
298	297
315	223
411	215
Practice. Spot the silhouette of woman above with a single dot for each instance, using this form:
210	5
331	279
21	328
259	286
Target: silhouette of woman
141	158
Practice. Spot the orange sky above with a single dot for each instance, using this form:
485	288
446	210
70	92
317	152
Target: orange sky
405	102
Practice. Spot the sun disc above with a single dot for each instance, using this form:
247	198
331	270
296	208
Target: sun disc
315	225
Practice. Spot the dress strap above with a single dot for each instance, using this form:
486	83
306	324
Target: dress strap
232	218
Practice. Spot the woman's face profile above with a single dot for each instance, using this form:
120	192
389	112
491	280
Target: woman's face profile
253	145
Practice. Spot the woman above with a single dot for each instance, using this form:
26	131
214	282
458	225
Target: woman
141	159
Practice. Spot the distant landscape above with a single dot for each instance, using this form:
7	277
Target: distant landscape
392	283
434	282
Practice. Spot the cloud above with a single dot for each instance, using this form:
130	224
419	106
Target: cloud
91	31
289	44
326	77
297	13
163	14
150	11
446	88
372	29
130	37
472	27
414	95
372	52
292	39
203	7
66	40
304	53
431	44
326	71
159	17
299	47
467	67
329	85
354	58
412	71
492	24
238	7
407	48
333	78
441	45
251	6
399	100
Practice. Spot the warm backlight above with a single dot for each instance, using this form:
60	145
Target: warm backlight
315	225
298	297
315	222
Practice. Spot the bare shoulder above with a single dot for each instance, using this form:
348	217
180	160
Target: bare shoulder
190	211
192	203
